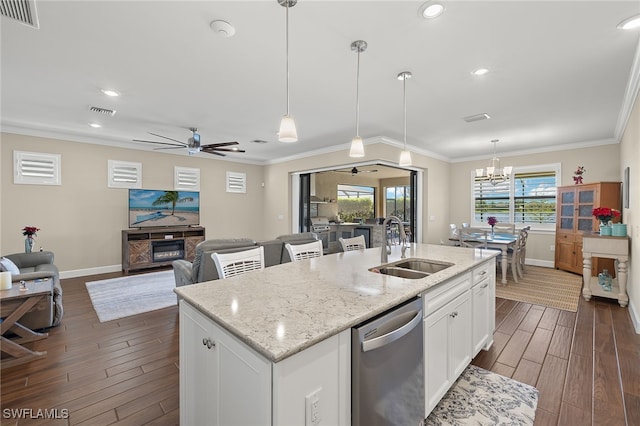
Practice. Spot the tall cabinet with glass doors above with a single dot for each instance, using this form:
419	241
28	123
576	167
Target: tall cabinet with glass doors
575	219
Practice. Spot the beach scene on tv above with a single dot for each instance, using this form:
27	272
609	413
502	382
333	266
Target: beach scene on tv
163	208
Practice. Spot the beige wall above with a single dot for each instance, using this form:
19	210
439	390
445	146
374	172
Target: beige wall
630	157
81	220
602	163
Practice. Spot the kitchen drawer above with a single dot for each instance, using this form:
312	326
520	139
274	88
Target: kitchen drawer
567	238
482	272
440	295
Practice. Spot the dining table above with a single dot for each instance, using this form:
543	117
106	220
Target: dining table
498	240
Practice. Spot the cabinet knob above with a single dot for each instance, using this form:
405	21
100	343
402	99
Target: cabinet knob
206	341
454	314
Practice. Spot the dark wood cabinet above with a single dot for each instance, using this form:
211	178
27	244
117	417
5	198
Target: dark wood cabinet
574	219
153	247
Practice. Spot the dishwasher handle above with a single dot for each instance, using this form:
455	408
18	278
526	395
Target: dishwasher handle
392	336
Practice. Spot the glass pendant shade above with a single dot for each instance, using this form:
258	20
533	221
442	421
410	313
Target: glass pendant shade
288	132
405	158
357	147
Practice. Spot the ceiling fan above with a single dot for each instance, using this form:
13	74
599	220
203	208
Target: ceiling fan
355	171
193	144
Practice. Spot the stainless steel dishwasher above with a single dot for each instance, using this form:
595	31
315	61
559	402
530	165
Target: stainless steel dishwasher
387	368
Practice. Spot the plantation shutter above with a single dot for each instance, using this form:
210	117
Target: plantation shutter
535	198
491	200
34	168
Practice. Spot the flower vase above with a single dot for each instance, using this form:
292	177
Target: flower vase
605	228
28	245
492	232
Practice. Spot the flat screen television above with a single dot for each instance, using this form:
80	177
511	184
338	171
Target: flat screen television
153	208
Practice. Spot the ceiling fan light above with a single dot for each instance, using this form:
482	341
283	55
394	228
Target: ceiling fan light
357	147
630	23
405	158
288	132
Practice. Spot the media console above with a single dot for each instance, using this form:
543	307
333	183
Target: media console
153	247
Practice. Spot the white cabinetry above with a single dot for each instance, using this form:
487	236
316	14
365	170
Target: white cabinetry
219	376
447	338
224	382
483	303
459	321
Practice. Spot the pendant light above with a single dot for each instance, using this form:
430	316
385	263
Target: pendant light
288	132
405	155
357	147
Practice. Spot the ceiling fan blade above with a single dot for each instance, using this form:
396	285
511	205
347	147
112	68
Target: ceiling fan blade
169	147
215	145
161	143
214	152
164	137
223	149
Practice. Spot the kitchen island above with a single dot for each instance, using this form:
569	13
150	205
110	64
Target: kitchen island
266	347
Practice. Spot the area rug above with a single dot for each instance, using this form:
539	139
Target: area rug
481	397
543	286
125	296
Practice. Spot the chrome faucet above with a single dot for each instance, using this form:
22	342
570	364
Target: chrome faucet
386	247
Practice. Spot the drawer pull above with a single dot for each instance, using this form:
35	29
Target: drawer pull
206	341
483	272
454	314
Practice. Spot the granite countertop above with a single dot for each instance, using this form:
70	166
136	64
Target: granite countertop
287	308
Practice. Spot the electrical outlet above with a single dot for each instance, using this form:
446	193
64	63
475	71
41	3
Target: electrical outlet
312	408
552	247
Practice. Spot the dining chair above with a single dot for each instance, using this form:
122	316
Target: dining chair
504	228
355	243
473	237
237	263
304	251
524	235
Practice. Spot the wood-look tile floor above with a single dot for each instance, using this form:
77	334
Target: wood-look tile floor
125	372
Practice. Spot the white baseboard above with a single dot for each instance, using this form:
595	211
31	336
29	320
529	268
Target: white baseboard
635	319
538	262
90	271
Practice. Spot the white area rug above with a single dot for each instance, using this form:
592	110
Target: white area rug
125	296
481	397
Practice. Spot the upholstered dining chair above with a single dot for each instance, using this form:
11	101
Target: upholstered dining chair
355	243
232	264
505	228
304	251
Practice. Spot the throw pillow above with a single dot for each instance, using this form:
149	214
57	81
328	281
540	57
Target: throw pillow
8	265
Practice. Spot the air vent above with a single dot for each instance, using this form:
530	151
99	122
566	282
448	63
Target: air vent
110	112
477	117
23	11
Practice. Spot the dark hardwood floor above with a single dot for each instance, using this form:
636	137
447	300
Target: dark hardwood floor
125	372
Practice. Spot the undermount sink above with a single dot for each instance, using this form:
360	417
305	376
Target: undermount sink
399	272
412	269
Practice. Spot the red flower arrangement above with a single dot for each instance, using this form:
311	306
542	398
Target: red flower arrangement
30	231
605	214
492	220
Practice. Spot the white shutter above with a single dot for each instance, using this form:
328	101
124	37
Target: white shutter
124	174
34	168
186	179
237	182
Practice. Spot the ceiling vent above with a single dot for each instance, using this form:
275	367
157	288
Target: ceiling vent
477	117
23	11
109	112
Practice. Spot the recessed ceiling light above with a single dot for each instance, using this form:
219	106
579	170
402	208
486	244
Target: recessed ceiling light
431	10
95	125
110	92
630	23
480	71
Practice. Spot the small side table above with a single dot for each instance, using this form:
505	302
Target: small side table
607	247
14	303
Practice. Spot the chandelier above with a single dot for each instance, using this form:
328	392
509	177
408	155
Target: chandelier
493	173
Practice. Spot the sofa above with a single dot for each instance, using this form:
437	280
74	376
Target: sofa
204	269
32	266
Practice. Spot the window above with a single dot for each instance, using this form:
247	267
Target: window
356	202
397	202
528	198
35	168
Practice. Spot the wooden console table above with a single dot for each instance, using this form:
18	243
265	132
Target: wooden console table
14	303
607	247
